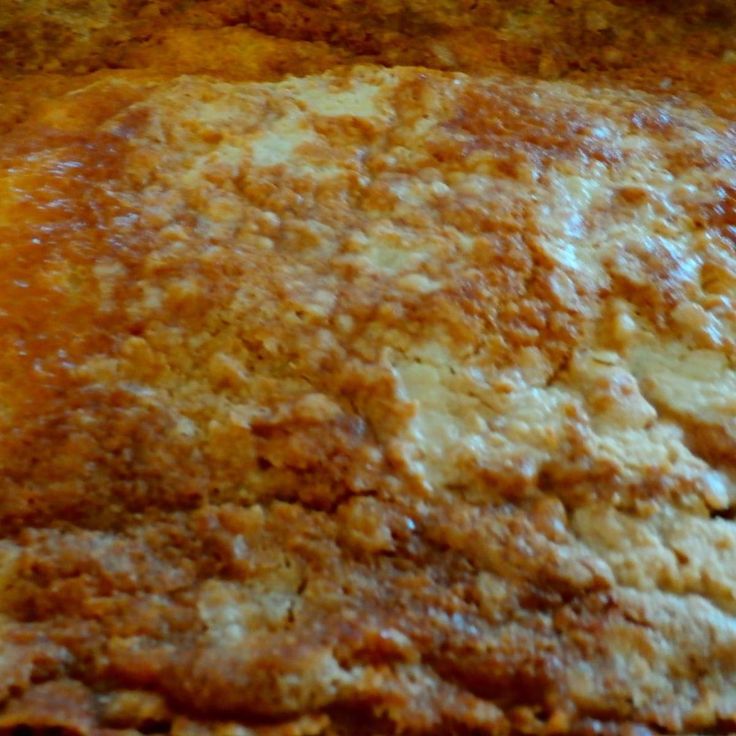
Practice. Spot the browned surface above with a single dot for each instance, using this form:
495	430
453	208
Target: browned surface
326	416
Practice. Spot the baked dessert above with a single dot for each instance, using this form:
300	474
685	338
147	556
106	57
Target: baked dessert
371	400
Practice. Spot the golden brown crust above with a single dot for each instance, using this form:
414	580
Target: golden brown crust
325	394
669	43
375	401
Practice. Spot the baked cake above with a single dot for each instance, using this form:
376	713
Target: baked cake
367	371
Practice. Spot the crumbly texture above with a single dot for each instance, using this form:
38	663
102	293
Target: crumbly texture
371	400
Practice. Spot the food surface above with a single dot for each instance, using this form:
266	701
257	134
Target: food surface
347	393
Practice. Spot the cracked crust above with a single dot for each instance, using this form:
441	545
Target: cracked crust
392	400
